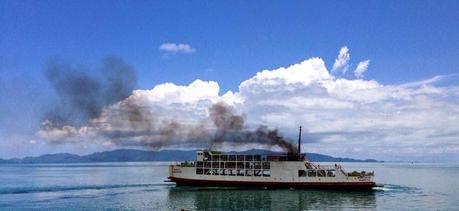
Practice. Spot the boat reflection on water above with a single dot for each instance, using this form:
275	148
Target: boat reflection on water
191	198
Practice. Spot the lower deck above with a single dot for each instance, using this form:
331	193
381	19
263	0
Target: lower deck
270	184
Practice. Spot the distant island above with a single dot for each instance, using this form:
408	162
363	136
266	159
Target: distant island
133	155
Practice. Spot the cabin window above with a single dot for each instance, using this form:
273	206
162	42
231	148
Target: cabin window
257	165
224	158
207	164
200	164
257	173
240	165
257	157
248	173
321	173
331	173
215	157
230	165
240	158
240	172
266	173
301	173
266	165
199	171
232	157
311	173
248	165
215	165
264	158
248	157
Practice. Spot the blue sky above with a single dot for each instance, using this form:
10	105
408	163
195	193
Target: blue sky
232	41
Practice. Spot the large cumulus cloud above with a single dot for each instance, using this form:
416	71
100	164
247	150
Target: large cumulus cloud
355	116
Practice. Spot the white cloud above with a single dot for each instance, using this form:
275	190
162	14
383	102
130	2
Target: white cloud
343	117
341	62
424	82
291	75
176	48
361	68
169	93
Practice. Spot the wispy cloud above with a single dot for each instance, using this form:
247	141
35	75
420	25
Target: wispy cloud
341	62
432	80
361	68
176	48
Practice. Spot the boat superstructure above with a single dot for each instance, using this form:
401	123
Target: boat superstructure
291	170
213	168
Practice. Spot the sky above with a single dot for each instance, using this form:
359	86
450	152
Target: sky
367	79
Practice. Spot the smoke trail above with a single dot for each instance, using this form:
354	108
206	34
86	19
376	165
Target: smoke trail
128	124
82	96
231	128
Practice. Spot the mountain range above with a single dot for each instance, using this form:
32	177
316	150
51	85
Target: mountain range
134	155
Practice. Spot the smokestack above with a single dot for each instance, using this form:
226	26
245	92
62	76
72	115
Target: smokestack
299	142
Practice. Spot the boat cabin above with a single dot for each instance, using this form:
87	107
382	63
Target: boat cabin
207	155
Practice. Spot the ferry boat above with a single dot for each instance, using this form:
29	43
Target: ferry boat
291	170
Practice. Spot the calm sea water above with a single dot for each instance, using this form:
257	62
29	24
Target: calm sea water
140	186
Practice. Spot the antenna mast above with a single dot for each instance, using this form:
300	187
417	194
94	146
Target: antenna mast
299	142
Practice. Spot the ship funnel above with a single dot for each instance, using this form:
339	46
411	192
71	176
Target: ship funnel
299	142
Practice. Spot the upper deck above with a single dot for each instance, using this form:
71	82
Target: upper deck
207	155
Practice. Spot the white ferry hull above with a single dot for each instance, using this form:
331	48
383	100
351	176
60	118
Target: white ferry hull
272	184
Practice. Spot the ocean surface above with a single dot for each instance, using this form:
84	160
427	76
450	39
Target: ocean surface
141	186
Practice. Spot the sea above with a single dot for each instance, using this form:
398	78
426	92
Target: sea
141	186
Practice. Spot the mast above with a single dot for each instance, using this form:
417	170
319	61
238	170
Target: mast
299	142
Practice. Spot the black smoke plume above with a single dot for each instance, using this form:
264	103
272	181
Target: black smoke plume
141	128
82	96
231	128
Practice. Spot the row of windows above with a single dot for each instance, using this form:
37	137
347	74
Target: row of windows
235	157
233	172
232	165
316	173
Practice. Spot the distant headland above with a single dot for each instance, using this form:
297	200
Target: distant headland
134	155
